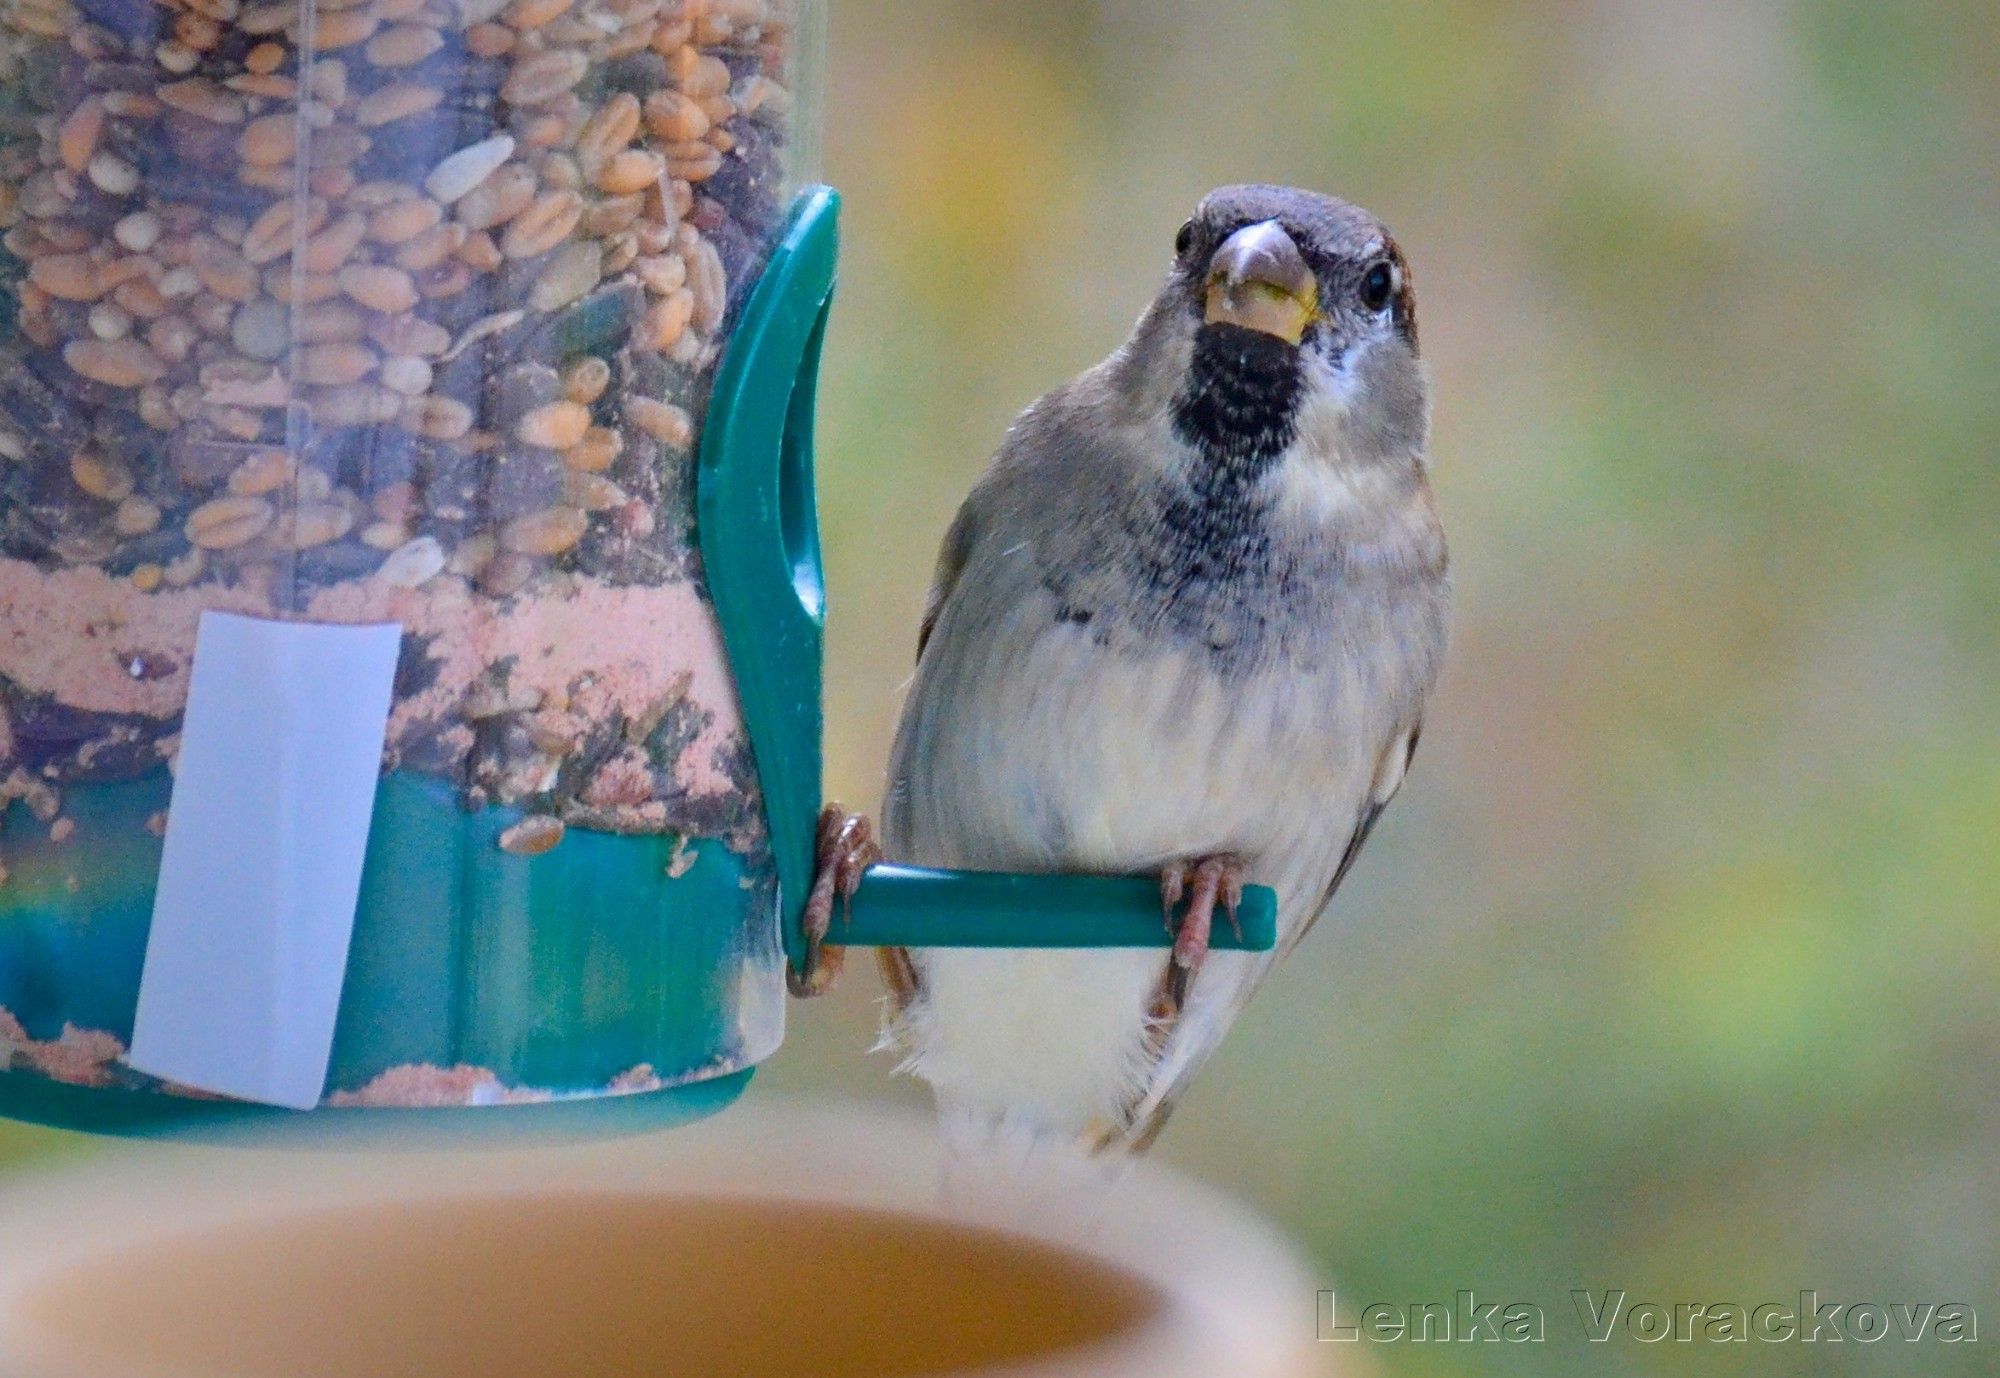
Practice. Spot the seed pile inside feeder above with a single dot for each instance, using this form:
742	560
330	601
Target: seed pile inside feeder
364	309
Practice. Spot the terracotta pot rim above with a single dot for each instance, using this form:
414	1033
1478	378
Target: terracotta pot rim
1223	1292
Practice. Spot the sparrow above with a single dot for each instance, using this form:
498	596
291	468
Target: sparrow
1185	625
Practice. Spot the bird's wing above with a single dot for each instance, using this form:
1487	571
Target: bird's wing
1389	778
1202	1029
950	564
899	973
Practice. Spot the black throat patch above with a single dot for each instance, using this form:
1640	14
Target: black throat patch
1204	553
1240	404
1238	411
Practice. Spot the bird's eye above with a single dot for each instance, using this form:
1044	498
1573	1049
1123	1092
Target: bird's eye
1378	285
1185	237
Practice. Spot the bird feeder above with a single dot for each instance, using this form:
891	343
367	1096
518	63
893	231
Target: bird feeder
410	636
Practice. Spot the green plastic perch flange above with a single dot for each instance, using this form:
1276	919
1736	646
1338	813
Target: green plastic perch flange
759	537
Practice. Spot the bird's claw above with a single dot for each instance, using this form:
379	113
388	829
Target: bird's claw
843	851
1204	882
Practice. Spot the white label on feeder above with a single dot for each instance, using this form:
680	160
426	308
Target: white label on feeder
280	751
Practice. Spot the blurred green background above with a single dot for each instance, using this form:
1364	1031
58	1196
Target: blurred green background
1674	967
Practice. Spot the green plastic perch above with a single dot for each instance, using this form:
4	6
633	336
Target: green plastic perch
758	532
914	906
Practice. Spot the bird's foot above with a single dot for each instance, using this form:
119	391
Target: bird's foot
844	851
1203	882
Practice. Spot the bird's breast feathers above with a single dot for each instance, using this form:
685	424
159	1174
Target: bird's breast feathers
1121	709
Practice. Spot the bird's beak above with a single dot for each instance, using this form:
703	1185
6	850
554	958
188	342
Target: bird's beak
1258	279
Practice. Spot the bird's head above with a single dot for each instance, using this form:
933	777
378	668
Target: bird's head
1287	316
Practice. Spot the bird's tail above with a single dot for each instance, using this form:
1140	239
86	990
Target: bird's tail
1002	1154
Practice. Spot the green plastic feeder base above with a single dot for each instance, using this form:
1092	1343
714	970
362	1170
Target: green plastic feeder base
480	969
149	1115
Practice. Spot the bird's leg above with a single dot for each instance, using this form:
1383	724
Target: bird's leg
843	852
1203	882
